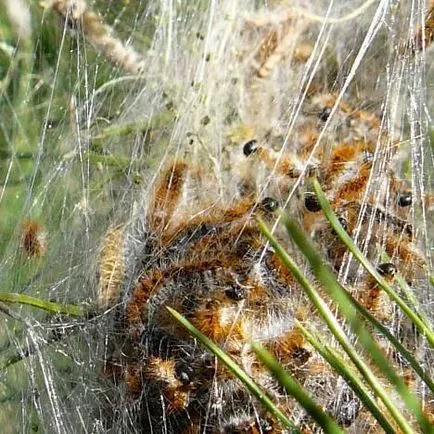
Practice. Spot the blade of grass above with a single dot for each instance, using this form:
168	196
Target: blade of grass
424	375
67	309
241	375
341	366
410	297
340	295
329	282
425	329
295	390
121	130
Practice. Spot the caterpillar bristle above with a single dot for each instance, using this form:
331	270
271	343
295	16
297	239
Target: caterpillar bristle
198	249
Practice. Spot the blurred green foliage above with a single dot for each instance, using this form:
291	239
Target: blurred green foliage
40	81
49	169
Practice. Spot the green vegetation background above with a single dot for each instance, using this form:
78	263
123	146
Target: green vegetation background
49	174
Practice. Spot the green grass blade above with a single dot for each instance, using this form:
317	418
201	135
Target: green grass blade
406	290
295	390
121	130
341	366
425	329
49	306
424	375
241	375
328	281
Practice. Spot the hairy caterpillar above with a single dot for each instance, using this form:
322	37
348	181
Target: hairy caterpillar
196	247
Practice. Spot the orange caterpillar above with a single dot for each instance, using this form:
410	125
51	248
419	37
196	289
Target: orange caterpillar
202	254
33	239
215	270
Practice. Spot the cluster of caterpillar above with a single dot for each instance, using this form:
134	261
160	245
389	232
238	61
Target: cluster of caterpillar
203	255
